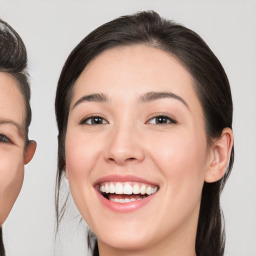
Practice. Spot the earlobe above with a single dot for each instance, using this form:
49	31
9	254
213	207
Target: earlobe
219	156
30	151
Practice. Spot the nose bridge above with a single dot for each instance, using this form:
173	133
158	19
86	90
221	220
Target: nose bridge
124	145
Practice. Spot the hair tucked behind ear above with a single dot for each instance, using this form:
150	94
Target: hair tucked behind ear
210	82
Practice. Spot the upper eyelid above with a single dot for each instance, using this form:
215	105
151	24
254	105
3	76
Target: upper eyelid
155	115
92	116
172	121
19	128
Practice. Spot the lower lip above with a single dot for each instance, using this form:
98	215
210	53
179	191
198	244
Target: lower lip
125	207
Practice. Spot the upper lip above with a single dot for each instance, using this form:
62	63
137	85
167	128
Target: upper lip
123	178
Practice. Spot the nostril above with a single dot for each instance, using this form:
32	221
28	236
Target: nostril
131	159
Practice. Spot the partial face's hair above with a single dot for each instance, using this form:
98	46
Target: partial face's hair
210	83
13	60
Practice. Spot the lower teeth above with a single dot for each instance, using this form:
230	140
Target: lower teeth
126	200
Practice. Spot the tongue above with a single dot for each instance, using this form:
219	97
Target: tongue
114	196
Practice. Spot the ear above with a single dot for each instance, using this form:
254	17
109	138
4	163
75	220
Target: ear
30	151
219	156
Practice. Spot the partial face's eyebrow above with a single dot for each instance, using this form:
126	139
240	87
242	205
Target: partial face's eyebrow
151	96
11	122
96	97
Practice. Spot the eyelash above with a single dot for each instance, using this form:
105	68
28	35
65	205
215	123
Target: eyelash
162	120
98	120
95	119
4	139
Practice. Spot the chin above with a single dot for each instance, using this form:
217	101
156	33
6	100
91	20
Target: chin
126	241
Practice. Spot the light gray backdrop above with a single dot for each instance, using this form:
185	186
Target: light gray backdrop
50	30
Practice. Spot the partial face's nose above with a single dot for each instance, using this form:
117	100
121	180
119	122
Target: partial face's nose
123	145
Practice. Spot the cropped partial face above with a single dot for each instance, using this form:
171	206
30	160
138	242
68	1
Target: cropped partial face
136	150
13	155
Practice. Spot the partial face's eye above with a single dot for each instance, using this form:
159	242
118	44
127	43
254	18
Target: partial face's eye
161	119
4	139
94	120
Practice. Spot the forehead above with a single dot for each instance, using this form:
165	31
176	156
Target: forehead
12	104
134	70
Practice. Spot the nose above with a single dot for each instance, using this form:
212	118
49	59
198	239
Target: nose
124	146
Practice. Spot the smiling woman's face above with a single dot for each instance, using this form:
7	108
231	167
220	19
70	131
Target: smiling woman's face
12	143
136	150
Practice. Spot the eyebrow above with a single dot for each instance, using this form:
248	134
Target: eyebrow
151	96
19	127
147	97
96	97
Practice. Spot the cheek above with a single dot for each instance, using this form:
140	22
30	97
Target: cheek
11	170
81	154
182	160
11	179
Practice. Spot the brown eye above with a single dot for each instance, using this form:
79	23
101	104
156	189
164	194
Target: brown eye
94	120
161	120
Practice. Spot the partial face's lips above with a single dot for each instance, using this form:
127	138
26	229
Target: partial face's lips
125	193
124	203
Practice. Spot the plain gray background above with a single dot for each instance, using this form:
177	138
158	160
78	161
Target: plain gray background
50	30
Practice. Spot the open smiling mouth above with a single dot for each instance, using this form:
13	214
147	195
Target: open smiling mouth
126	192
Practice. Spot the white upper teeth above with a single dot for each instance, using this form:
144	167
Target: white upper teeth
127	188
